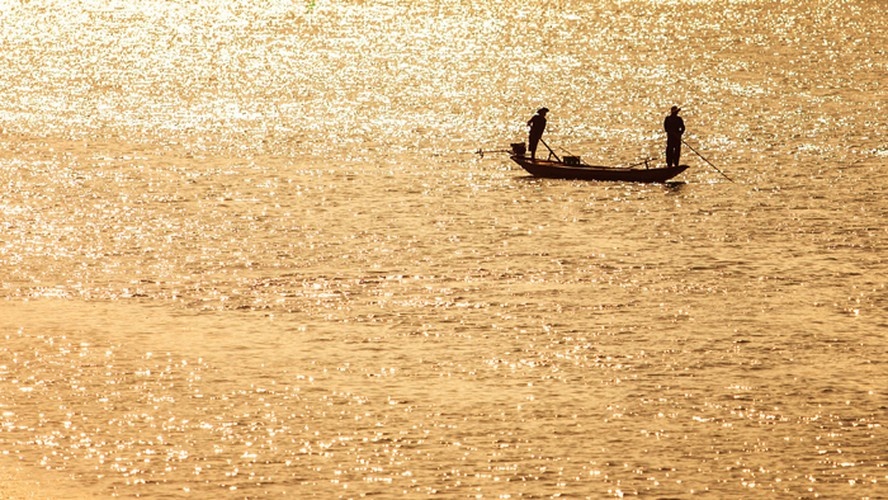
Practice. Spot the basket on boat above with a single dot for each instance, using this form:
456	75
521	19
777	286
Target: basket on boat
573	161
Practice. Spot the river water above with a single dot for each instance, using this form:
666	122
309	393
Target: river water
247	249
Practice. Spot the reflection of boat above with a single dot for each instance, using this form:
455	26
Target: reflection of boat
567	169
570	167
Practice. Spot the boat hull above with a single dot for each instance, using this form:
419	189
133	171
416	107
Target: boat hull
558	170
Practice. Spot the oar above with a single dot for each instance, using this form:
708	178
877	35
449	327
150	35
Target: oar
707	161
550	150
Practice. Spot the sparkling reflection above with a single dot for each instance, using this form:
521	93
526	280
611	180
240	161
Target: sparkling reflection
247	250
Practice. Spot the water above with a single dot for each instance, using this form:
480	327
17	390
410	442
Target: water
247	250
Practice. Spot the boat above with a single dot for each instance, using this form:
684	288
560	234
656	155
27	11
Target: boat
576	170
572	167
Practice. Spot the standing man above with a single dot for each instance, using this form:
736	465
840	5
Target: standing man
675	127
537	125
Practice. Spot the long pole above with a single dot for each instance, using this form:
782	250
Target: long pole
707	161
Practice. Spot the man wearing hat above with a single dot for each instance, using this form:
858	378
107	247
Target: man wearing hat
674	126
537	125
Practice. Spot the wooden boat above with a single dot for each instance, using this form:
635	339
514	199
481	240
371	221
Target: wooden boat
572	168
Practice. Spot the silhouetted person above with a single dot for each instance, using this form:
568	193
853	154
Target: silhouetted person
537	125
674	126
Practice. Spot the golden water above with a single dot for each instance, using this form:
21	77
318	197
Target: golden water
246	250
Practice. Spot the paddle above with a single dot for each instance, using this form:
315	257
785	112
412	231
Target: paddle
707	161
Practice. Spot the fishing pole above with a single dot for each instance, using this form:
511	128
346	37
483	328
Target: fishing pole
481	152
707	161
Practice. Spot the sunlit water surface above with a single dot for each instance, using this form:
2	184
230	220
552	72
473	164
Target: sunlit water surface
247	250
